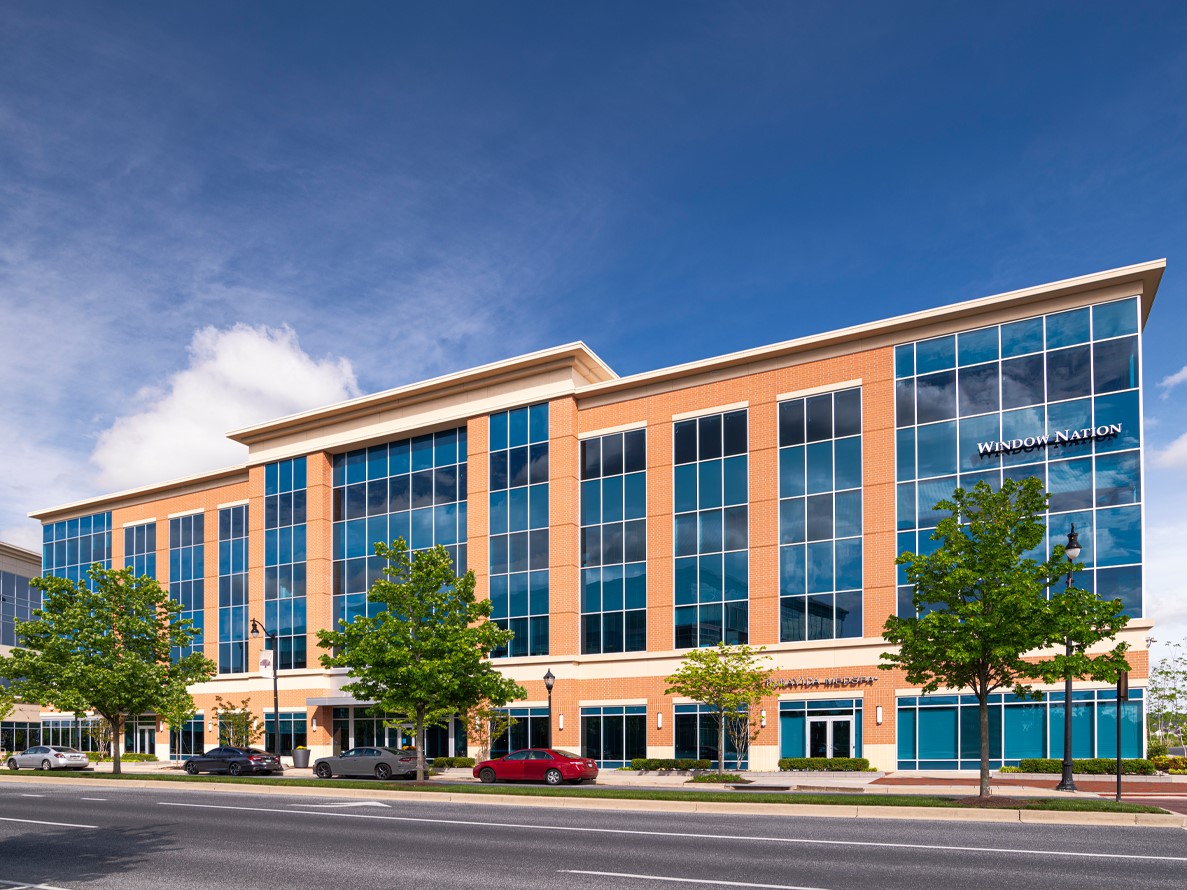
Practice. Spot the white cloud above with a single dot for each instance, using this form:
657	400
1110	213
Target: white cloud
236	377
1174	455
1166	384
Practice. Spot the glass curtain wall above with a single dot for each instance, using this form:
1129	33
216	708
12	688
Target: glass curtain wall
519	528
413	489
1055	397
614	543
614	735
820	517
140	549
712	585
232	589
18	600
284	559
187	570
71	546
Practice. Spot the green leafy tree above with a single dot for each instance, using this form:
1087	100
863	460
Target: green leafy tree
981	604
730	681
425	653
104	646
484	723
1166	701
176	709
238	725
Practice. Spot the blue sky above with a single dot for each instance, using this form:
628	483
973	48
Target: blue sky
216	213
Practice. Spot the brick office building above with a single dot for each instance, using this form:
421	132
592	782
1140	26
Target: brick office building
617	522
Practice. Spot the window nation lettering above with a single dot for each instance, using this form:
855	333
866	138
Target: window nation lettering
1064	437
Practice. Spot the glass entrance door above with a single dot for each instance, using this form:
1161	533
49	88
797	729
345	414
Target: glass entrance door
830	737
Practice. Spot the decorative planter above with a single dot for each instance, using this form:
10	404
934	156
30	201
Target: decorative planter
301	758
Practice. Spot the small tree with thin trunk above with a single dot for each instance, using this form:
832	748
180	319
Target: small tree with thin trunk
485	723
1166	696
981	605
729	681
104	645
425	653
238	725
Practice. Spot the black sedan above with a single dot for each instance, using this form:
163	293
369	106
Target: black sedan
382	763
233	761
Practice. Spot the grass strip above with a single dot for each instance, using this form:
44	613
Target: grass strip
1081	804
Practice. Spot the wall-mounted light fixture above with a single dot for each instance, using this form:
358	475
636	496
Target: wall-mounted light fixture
878	714
313	722
762	715
659	719
560	725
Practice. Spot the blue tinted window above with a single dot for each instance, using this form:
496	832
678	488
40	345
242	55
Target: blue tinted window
937	449
904	360
1115	319
1068	328
935	355
974	347
1022	337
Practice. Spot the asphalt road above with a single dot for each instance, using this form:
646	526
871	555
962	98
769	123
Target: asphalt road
103	837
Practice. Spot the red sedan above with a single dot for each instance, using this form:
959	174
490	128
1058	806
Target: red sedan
537	765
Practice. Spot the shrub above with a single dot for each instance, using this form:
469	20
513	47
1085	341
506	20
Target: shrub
657	763
1096	766
130	757
714	777
1010	769
825	764
1157	749
1166	764
451	762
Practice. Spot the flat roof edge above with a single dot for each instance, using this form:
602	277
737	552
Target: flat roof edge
131	493
1149	273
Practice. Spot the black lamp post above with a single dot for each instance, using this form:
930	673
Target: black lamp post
549	680
256	629
1066	783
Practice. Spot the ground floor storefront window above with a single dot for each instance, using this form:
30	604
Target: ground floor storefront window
358	727
614	735
140	735
292	732
530	731
820	728
943	731
696	737
16	735
189	740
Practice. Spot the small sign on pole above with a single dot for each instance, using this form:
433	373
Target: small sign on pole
267	663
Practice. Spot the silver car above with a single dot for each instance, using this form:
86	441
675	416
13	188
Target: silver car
382	763
49	757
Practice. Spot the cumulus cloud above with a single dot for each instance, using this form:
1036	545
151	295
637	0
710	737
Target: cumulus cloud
236	377
1174	455
1166	384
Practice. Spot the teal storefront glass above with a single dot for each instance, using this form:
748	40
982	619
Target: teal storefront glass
821	722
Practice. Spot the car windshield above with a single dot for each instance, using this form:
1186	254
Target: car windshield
568	754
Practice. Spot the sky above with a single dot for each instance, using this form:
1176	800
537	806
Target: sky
216	214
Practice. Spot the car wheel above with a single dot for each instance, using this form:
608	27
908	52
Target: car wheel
383	771
235	769
323	771
12	764
191	768
45	764
487	776
553	777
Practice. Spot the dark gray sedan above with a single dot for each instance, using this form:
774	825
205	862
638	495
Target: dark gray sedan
49	757
382	763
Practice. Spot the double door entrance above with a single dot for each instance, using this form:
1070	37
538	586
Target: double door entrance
830	736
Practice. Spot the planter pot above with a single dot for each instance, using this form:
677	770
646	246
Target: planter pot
301	758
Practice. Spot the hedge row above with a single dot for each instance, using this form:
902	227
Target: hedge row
448	762
129	757
826	764
654	763
1095	766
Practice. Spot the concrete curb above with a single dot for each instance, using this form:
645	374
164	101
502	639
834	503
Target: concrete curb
725	807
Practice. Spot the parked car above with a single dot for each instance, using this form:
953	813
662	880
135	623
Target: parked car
49	757
235	761
382	763
537	765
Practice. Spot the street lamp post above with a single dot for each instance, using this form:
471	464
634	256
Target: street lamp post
1066	783
256	630
549	680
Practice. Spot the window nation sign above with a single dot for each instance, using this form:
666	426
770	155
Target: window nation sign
1064	437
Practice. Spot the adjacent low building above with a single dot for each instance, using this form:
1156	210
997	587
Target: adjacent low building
618	522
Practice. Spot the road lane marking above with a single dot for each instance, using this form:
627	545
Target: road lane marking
687	836
17	885
625	874
39	822
32	795
92	798
361	803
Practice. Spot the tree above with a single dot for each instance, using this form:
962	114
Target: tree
981	604
729	680
1166	701
104	646
425	653
485	723
238	725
